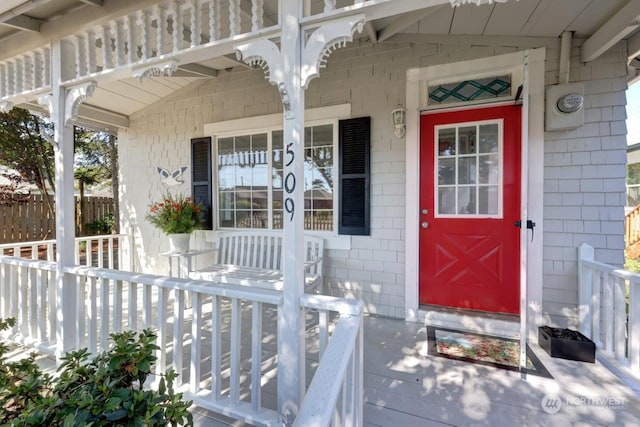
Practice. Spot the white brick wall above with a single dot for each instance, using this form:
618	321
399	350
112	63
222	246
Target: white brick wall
584	168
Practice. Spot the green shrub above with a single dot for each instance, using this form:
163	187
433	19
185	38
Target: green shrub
103	225
105	391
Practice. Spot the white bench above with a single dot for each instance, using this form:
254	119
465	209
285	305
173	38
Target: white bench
256	257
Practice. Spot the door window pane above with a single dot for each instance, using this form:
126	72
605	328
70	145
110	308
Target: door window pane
468	161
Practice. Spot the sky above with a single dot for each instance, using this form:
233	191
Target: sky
633	114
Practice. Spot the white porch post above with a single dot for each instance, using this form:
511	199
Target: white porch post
66	293
291	351
291	67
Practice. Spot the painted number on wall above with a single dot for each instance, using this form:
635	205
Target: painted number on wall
290	184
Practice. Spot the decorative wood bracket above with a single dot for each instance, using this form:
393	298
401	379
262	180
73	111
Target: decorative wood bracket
76	95
47	102
266	55
324	41
5	106
166	68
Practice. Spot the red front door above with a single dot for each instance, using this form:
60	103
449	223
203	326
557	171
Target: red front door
469	202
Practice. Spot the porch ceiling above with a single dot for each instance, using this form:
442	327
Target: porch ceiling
601	22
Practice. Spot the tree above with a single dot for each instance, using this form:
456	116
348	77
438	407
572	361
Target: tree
99	150
86	175
23	147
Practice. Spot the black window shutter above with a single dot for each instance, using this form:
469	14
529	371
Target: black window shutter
201	176
355	154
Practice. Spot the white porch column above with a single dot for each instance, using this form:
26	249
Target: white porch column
291	351
291	67
66	293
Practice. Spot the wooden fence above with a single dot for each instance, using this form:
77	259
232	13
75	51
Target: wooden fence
32	221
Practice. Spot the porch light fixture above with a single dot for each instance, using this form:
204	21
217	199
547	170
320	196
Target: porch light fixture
570	103
456	3
399	121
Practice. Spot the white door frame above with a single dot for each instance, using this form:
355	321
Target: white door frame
532	156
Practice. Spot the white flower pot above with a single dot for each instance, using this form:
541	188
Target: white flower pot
179	242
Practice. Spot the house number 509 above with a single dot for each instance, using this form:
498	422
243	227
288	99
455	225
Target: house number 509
290	184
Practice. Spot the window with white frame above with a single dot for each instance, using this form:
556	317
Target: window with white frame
249	170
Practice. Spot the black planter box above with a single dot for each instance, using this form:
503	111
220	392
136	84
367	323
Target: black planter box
566	344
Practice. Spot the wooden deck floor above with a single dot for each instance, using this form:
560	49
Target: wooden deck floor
404	386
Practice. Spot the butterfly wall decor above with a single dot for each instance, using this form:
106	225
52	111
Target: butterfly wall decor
171	179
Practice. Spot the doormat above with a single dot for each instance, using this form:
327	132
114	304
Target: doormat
503	353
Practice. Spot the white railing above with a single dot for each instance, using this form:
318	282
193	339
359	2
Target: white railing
609	298
28	294
103	251
157	32
335	396
223	346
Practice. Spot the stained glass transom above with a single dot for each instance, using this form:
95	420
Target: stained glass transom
470	90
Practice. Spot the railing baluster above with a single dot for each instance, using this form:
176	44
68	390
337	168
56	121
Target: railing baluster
323	332
144	22
132	43
597	289
81	55
51	285
257	12
3	77
117	306
33	302
107	57
196	338
608	312
620	319
256	355
92	54
234	352
146	306
13	291
42	305
93	315
216	348
162	329
104	313
4	290
178	338
133	306
234	17
214	17
100	252
22	300
81	286
162	29
196	26
177	26
110	263
634	327
118	32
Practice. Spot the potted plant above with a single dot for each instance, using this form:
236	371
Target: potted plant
177	216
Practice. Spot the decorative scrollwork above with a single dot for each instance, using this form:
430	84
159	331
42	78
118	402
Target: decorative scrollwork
324	41
76	95
156	70
266	55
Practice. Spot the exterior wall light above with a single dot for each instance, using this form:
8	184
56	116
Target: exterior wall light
399	121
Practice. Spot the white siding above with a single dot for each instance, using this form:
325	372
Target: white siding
584	168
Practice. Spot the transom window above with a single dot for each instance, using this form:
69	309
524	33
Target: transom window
470	90
250	179
469	169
